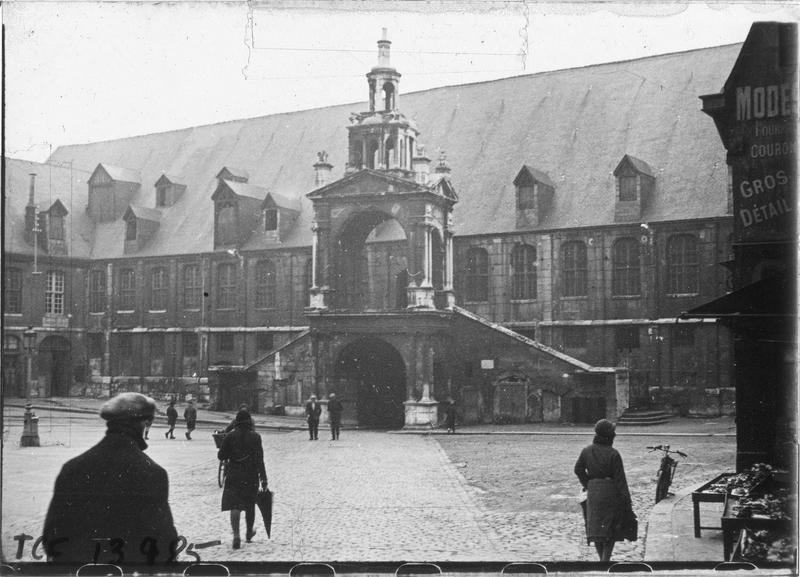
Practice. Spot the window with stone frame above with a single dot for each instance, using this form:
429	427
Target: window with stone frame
626	337
574	337
192	287
159	289
124	356
127	290
265	284
265	342
683	336
226	286
476	275
574	269
626	274
95	345
523	272
12	291
54	293
55	226
225	342
525	196
190	348
97	291
683	265
156	356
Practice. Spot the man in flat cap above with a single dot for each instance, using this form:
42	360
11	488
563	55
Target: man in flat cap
110	504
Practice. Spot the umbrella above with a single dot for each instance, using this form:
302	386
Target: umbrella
264	502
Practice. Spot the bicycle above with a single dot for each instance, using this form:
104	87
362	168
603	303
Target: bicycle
222	471
666	470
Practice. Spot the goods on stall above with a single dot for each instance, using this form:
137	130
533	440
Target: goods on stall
772	546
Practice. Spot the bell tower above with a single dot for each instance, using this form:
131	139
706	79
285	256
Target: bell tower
382	138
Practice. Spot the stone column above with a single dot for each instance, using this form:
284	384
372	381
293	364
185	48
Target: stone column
450	297
320	289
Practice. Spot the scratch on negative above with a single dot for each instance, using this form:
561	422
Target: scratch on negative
248	37
523	33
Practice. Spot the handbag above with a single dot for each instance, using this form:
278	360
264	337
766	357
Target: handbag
630	525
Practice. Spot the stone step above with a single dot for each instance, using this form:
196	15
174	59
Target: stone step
644	418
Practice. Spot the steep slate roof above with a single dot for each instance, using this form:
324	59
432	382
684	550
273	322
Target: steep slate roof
143	212
574	125
122	174
52	183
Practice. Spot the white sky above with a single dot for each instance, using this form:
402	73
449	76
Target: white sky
78	72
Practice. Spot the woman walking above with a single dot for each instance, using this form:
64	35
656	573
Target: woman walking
600	471
242	449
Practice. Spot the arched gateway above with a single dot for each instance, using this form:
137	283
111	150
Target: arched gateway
382	263
374	374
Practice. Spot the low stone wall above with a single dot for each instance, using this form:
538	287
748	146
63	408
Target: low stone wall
690	401
160	388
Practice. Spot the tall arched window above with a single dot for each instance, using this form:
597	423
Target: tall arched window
192	287
372	153
159	288
476	275
97	291
523	272
683	266
54	295
127	290
265	284
226	286
388	96
12	290
574	268
625	276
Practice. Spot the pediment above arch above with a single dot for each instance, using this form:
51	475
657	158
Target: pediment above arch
368	182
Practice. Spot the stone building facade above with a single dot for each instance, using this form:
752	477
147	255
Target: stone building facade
533	270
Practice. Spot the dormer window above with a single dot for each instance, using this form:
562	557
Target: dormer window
55	228
270	220
634	188
525	196
226	232
130	229
161	195
535	193
627	187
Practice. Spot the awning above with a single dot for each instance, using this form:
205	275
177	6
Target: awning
772	297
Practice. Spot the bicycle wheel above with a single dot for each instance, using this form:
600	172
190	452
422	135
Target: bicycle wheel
221	473
662	486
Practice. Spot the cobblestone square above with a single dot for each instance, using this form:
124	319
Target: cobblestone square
372	496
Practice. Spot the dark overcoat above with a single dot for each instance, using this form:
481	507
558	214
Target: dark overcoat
600	471
172	415
111	491
313	411
245	456
335	409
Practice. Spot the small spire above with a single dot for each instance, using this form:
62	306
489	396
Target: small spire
442	166
383	50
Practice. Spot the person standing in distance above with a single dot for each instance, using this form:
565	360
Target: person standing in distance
190	414
313	411
245	455
599	470
450	416
172	419
335	409
112	498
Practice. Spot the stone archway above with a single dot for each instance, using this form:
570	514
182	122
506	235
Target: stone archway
370	253
54	363
374	372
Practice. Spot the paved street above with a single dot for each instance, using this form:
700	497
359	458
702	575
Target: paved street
370	496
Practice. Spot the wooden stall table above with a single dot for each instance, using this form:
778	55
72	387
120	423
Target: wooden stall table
705	494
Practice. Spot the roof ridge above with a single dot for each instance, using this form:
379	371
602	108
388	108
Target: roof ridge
332	106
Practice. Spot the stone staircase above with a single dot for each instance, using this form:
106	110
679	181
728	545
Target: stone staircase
643	417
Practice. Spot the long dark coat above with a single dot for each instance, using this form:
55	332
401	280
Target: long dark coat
599	469
335	409
172	415
113	490
242	449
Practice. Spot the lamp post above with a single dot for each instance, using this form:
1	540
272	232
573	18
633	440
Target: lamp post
30	427
29	344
